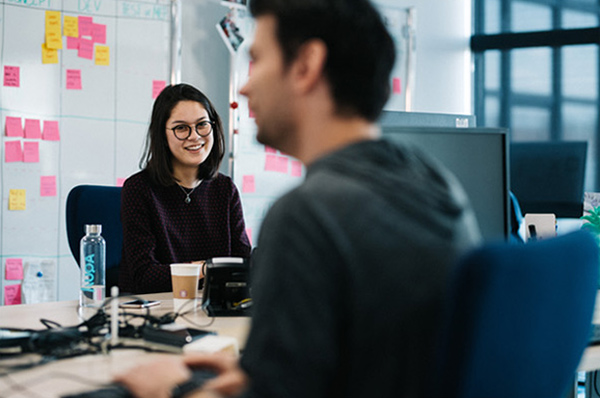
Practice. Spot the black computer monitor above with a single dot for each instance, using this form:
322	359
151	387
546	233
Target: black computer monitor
548	177
478	158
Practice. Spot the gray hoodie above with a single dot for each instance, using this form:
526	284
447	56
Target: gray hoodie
350	275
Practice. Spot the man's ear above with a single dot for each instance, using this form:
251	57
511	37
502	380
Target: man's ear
309	64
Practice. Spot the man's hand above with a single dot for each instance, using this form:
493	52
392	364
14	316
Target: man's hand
231	380
155	379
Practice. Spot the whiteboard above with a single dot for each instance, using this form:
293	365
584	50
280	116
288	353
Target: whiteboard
102	127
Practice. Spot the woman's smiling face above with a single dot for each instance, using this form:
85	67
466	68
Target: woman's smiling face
193	151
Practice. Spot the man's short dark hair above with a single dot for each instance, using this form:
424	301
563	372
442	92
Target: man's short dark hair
361	52
157	158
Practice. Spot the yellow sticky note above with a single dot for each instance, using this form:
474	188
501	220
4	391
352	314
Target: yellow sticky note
53	30
71	26
16	199
49	55
102	55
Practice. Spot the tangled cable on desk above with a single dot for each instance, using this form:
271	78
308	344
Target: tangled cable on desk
89	337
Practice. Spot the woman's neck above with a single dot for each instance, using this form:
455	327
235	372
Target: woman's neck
187	178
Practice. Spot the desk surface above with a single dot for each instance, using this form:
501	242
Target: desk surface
87	372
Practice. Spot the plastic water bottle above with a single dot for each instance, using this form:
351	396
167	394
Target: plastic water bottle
92	267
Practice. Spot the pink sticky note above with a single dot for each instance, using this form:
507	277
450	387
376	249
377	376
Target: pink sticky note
12	151
14	269
85	25
397	85
31	152
120	181
48	186
296	168
271	163
14	127
249	234
72	43
99	33
12	294
157	87
86	49
33	129
12	76
268	149
282	164
51	132
248	185
73	79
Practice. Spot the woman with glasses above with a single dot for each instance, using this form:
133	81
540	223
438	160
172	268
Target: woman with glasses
179	208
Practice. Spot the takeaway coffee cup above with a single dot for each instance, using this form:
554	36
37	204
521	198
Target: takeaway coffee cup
184	278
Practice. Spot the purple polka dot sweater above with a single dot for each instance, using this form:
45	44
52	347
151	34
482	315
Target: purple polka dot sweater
160	228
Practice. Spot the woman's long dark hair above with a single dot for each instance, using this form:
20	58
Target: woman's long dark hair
157	157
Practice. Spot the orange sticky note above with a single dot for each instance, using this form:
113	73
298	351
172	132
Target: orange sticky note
248	185
12	294
31	152
12	151
33	129
157	87
102	55
70	27
49	55
17	199
13	127
12	76
53	29
73	79
48	186
14	269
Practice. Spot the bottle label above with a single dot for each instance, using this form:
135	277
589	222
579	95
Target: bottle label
89	272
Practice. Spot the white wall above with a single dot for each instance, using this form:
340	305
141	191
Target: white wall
444	62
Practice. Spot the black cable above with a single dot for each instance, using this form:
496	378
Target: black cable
57	342
212	320
48	323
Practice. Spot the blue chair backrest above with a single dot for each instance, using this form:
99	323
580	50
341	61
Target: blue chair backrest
96	204
519	319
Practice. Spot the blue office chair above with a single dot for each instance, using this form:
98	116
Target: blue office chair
516	219
95	204
519	319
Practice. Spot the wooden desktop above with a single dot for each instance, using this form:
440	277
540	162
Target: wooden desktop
89	372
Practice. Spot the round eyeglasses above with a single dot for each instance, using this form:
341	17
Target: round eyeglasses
183	131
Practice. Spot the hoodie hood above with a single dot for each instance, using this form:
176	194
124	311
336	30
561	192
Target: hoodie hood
407	180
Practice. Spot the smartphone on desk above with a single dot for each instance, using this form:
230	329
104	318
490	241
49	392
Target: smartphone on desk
136	304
